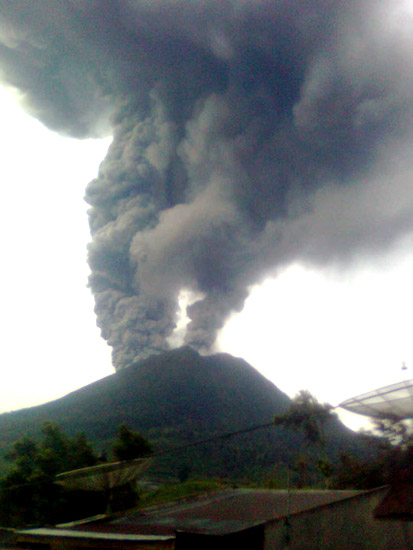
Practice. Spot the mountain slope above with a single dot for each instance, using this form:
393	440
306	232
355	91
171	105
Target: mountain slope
177	398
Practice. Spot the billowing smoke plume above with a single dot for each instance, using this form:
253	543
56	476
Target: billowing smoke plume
247	134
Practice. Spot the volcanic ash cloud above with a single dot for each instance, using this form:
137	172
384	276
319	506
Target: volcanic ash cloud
246	136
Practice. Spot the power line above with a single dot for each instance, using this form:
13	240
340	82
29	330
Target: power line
212	439
173	449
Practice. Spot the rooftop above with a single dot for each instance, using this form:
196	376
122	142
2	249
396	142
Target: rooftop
224	512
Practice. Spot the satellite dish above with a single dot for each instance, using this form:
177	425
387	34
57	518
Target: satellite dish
103	477
394	402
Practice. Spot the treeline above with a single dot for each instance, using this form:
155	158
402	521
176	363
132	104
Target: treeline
30	496
392	450
28	492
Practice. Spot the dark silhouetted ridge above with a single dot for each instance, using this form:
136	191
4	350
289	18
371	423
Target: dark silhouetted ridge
174	399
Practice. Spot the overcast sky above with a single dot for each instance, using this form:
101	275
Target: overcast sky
334	333
49	340
261	162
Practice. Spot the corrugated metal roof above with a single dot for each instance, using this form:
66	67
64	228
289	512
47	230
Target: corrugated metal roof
225	512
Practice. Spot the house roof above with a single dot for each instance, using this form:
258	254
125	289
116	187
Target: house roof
222	513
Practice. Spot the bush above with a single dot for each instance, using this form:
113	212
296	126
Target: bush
129	445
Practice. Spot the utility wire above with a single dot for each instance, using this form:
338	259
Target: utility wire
176	449
191	445
211	439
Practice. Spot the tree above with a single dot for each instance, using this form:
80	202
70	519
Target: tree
129	445
54	451
307	415
82	453
393	460
28	493
396	431
354	473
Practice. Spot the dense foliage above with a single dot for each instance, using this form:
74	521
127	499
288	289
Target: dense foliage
28	492
129	445
180	397
392	451
307	415
394	460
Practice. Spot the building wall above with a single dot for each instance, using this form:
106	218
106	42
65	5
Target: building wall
344	525
251	539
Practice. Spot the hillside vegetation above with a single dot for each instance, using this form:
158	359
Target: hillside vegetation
178	398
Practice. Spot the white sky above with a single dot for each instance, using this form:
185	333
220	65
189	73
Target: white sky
50	344
336	335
